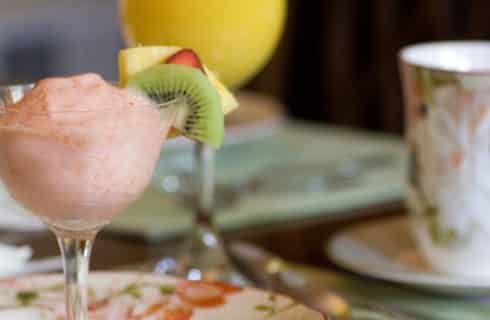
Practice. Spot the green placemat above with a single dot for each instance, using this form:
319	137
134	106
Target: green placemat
298	149
423	305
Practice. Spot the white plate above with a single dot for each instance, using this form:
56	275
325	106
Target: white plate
384	250
146	296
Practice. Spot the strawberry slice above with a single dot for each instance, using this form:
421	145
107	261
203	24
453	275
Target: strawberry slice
153	309
186	57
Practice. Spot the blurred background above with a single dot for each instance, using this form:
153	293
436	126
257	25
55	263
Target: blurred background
336	62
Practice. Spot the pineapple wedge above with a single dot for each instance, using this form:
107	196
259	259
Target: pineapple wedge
134	60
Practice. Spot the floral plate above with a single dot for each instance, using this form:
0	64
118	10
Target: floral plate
132	296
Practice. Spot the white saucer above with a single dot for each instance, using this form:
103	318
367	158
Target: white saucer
385	250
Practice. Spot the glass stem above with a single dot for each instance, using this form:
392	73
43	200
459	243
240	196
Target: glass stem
207	250
76	258
205	158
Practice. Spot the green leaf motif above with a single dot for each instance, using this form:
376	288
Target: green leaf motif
270	310
131	290
166	289
425	83
57	287
272	297
443	78
25	298
91	292
428	80
439	235
431	212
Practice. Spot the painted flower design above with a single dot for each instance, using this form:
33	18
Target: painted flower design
138	300
453	158
131	296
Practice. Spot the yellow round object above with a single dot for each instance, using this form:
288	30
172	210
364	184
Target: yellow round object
235	38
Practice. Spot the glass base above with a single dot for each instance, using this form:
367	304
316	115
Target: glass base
202	257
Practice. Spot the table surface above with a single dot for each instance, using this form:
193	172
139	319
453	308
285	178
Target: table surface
301	242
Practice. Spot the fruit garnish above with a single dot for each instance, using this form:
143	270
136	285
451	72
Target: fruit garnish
186	57
134	60
199	114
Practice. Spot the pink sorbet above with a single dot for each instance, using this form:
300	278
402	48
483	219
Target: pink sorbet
76	151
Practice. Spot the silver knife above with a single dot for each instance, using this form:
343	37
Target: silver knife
271	272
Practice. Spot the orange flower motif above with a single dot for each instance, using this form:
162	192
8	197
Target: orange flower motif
205	294
178	314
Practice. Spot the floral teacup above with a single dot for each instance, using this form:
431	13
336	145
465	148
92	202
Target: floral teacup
447	104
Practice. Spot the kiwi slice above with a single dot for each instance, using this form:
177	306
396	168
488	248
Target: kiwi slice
200	116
